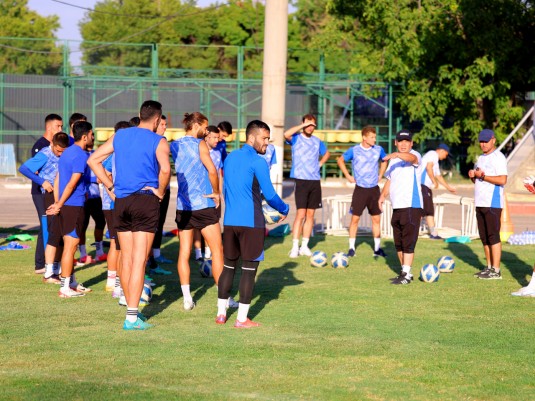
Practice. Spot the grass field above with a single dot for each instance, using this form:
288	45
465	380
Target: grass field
326	334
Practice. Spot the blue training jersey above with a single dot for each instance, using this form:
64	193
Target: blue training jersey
365	164
192	176
109	166
305	156
73	161
246	173
45	164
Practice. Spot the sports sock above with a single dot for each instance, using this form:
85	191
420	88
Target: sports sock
352	243
49	270
65	282
433	230
185	293
117	283
83	252
406	269
222	306
111	278
98	246
377	243
56	269
198	253
295	244
243	310
131	314
304	243
74	283
207	252
156	252
496	269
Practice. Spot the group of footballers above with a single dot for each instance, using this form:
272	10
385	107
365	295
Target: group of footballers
133	170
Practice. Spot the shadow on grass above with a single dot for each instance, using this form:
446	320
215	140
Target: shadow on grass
270	283
518	268
466	254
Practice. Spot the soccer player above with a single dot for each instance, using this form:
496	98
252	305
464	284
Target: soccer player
71	192
308	155
365	159
42	170
197	199
142	175
429	173
225	129
53	125
405	193
489	176
72	119
246	175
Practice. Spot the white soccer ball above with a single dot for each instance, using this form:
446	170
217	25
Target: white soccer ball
429	273
446	264
146	293
272	216
339	260
318	259
206	268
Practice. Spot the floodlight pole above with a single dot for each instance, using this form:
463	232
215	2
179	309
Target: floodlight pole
274	80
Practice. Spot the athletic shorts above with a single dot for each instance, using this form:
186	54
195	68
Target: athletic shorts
489	224
69	221
427	196
93	208
54	237
365	198
110	222
307	194
247	242
139	211
406	227
190	219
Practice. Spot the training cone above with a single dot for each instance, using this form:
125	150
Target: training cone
507	228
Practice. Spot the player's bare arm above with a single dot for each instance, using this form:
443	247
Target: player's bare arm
342	165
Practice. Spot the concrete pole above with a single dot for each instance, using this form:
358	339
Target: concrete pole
274	80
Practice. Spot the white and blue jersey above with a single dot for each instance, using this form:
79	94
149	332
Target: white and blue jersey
270	156
221	147
365	164
487	194
45	162
109	165
246	173
217	158
305	156
405	190
93	189
192	176
429	157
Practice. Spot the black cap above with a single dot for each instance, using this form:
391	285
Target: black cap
404	135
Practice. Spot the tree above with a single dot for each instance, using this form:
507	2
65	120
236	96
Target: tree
27	56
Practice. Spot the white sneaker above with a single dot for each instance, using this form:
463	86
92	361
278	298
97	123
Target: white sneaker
524	292
304	251
189	305
69	293
294	253
232	303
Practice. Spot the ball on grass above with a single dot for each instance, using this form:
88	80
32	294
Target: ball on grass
339	260
318	259
429	273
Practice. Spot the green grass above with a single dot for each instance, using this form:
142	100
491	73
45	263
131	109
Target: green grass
326	335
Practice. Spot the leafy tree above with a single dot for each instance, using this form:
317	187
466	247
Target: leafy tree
29	56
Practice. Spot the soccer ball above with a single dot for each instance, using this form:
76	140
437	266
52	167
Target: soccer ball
429	273
206	268
146	293
318	259
446	264
339	260
271	215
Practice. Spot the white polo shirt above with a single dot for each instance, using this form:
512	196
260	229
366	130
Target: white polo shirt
429	157
487	194
405	188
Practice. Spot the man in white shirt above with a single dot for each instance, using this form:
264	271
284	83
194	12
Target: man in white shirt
489	176
429	175
403	186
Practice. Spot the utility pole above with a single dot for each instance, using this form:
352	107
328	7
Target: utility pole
274	80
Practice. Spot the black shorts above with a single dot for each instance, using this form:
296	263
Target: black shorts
247	242
427	196
69	222
139	211
93	208
365	198
307	194
406	227
109	215
190	219
54	237
489	224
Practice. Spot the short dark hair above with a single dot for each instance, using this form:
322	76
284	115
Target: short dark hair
120	125
225	126
212	128
164	117
61	139
134	121
192	118
53	117
254	126
309	117
76	117
80	128
150	109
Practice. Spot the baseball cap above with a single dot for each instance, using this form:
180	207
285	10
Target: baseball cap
404	135
486	135
443	146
